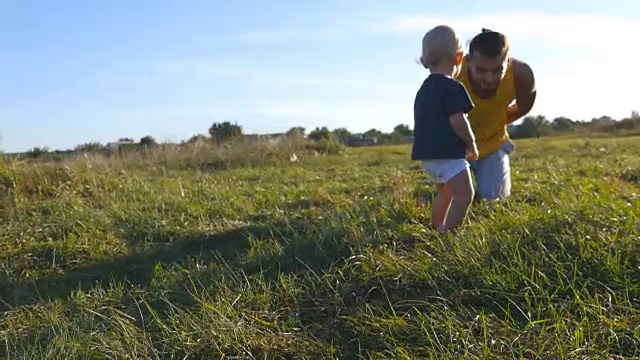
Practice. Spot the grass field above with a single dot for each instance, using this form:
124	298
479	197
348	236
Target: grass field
323	259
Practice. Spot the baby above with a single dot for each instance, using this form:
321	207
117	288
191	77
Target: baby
443	139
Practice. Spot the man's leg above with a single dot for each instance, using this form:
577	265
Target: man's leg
493	174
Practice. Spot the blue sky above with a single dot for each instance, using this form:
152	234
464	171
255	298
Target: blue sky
89	70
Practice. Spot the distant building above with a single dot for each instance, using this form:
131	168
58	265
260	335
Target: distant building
69	152
361	140
112	147
275	138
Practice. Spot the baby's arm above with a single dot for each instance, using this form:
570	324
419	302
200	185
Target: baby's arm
458	104
462	128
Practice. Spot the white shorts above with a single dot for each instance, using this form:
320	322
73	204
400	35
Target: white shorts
442	170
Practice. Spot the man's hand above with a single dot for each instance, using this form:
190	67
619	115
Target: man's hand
525	91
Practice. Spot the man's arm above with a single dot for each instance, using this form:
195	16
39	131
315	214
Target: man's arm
525	91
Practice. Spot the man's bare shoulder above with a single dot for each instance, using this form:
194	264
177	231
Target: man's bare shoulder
523	75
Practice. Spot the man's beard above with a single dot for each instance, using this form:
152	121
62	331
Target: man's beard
485	92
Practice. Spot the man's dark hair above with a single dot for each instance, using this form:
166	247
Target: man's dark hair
489	43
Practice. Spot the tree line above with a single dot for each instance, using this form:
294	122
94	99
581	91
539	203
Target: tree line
227	131
538	125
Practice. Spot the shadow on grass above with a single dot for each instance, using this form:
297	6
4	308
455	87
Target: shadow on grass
136	268
302	246
355	313
498	284
407	310
290	246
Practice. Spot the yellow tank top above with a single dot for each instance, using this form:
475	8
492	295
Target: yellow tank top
488	119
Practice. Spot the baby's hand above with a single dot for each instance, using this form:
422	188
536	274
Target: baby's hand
472	152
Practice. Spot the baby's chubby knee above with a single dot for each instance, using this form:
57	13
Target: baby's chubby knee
463	193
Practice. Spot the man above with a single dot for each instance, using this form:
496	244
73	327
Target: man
494	80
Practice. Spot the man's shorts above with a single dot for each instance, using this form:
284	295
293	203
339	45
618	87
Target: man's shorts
493	173
442	170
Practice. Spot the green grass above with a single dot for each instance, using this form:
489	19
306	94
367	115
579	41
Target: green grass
326	258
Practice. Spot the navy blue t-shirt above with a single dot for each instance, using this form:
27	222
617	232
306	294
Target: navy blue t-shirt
438	98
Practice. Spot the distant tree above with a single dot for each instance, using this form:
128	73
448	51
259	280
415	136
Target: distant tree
89	147
562	123
148	141
533	126
373	133
126	139
37	152
635	115
198	139
320	134
402	130
602	120
296	131
603	123
627	124
225	131
341	133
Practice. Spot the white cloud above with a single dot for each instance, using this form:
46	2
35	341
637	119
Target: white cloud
328	30
202	67
332	86
285	109
187	69
569	83
594	30
355	115
580	61
288	35
306	80
601	32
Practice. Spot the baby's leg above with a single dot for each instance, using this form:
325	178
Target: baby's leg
440	206
461	188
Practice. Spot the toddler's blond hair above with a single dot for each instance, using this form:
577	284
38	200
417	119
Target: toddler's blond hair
438	44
